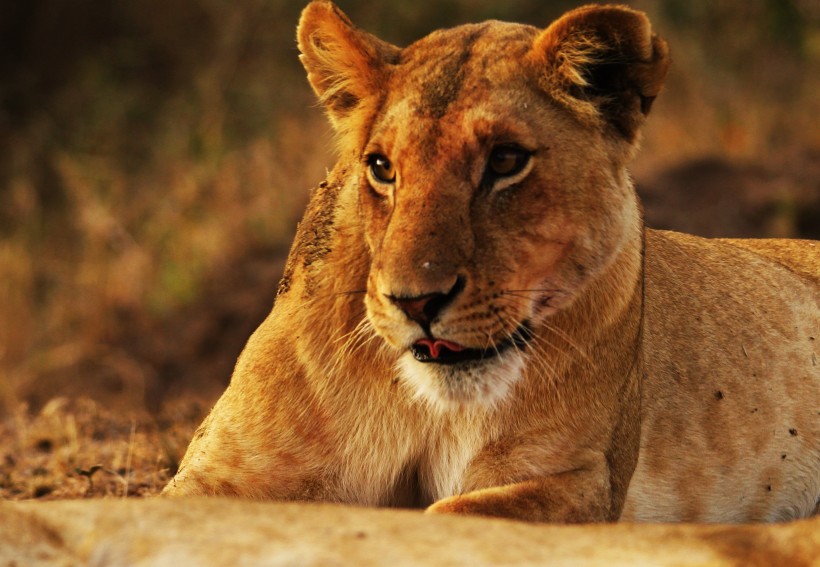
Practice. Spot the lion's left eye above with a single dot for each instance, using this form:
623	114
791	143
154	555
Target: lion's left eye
507	160
381	168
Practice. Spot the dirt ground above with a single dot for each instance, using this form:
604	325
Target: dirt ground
75	448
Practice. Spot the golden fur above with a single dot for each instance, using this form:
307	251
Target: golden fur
214	532
481	212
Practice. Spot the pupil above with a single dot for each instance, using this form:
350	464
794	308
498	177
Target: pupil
507	161
504	162
382	169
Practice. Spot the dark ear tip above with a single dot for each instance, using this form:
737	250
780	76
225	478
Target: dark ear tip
660	51
651	75
646	104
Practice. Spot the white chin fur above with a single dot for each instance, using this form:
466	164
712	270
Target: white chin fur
447	387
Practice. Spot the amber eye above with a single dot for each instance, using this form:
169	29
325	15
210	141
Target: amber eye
381	168
507	160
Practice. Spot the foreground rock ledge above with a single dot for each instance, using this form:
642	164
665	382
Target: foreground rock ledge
211	532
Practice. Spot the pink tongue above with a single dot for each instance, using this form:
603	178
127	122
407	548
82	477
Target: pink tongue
436	345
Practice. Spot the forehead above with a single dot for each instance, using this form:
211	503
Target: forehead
454	66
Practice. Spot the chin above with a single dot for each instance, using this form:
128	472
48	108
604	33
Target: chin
477	384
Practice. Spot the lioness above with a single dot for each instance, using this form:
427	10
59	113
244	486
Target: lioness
474	319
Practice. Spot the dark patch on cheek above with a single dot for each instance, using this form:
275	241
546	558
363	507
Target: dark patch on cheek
313	234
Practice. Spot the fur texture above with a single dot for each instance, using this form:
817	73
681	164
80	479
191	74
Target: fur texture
480	214
214	532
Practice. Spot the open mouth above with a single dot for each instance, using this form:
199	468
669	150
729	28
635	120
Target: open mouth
441	351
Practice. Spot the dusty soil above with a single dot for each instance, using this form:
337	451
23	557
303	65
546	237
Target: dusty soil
75	448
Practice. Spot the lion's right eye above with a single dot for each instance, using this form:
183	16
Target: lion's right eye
381	169
506	165
507	160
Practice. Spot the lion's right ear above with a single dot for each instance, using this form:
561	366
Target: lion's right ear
345	65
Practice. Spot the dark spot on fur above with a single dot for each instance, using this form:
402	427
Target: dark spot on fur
312	241
42	490
226	488
768	488
754	547
793	432
718	395
783	456
202	429
344	102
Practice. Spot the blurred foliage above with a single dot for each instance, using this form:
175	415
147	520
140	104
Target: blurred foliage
149	149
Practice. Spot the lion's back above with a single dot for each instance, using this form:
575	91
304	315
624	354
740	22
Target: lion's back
731	391
799	256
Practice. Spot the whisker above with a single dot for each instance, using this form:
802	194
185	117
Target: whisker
561	334
541	361
347	335
535	290
352	292
516	301
325	296
336	358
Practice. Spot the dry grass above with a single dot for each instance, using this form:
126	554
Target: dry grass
78	449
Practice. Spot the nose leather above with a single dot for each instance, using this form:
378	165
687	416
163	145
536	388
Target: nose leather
423	309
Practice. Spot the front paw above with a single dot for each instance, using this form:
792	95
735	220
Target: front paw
450	505
489	502
550	499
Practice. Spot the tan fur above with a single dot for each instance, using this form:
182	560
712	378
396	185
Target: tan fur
214	532
667	377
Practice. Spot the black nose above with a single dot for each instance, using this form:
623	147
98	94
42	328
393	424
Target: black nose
423	309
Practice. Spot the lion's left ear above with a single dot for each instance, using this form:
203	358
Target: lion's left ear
602	62
345	65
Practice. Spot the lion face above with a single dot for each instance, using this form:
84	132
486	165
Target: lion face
481	219
489	203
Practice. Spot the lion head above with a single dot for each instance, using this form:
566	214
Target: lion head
489	161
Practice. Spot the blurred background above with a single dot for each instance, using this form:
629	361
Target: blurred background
155	157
